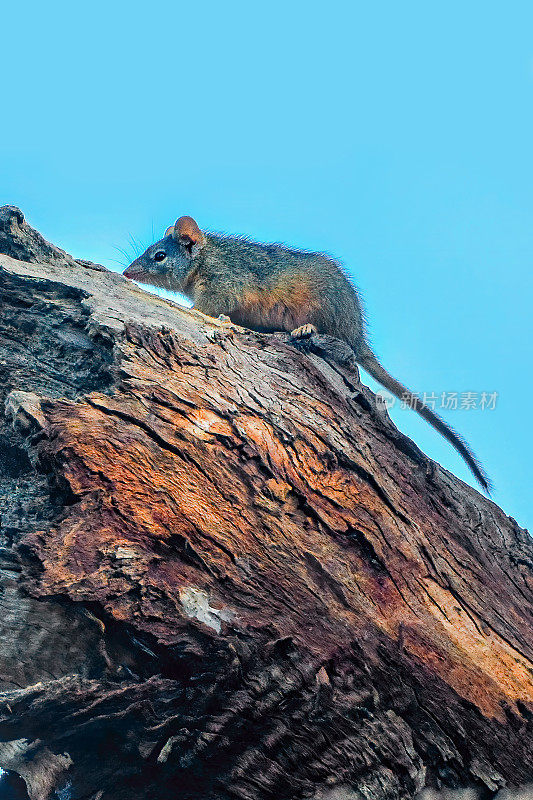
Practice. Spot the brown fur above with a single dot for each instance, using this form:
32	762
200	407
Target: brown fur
287	305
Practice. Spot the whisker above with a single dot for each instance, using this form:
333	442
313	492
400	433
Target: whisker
137	246
124	253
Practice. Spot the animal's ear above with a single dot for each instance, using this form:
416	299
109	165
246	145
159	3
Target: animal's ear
169	231
187	232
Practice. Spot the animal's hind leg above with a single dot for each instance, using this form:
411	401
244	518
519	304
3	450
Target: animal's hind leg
304	331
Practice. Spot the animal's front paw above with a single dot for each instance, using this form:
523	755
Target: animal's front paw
304	331
223	318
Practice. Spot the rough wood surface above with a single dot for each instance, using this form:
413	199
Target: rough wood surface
226	574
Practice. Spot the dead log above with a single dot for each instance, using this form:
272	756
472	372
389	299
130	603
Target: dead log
226	574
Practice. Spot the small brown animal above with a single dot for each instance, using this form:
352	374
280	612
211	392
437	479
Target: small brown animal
270	287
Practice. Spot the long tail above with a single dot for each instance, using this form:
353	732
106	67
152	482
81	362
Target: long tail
369	362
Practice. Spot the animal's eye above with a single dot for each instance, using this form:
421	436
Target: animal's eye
160	255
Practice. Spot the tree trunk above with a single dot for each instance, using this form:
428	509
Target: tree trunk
226	574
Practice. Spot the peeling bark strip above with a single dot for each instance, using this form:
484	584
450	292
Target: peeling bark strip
225	574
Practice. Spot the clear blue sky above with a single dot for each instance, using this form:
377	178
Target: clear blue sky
397	136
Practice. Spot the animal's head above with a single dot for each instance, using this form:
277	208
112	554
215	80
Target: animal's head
170	262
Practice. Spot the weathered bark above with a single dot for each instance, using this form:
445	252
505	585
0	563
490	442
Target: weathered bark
225	573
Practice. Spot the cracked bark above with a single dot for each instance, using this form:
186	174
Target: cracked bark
225	573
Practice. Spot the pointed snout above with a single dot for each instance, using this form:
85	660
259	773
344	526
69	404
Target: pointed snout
132	272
